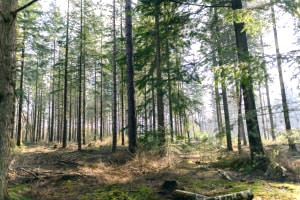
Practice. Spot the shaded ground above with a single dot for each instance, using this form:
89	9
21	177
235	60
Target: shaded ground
42	172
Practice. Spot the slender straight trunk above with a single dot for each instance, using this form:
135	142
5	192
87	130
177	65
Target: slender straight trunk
122	108
95	104
145	108
19	133
223	85
170	93
49	117
240	117
84	101
27	118
130	79
262	112
256	147
122	79
114	111
217	99
40	116
218	106
268	93
101	98
53	96
226	115
180	113
153	105
70	110
241	129
84	77
7	41
80	81
35	103
160	101
292	145
58	109
66	82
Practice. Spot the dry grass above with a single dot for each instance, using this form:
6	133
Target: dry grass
80	173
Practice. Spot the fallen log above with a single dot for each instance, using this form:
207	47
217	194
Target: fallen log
184	195
29	172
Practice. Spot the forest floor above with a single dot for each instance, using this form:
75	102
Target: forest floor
44	172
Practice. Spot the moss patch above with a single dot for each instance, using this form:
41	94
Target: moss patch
17	192
260	188
117	192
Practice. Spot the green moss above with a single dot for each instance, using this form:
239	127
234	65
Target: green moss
17	192
116	192
260	188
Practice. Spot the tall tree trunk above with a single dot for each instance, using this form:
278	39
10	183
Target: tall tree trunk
70	110
130	79
292	145
27	118
226	114
223	84
262	111
268	93
7	41
170	93
101	97
66	81
34	135
256	147
240	117
145	108
153	105
114	111
95	105
53	95
80	80
160	102
19	133
84	78
122	79
58	109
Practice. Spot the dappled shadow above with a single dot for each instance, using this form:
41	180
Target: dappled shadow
95	171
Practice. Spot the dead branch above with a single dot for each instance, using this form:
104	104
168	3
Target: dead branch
180	194
29	172
244	195
25	6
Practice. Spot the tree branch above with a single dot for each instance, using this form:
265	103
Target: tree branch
25	6
202	5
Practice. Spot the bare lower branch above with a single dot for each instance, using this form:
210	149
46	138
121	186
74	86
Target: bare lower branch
202	5
25	6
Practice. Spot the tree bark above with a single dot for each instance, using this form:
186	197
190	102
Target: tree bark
53	96
170	92
114	111
66	81
160	95
7	41
268	93
80	81
130	79
19	133
256	147
292	145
